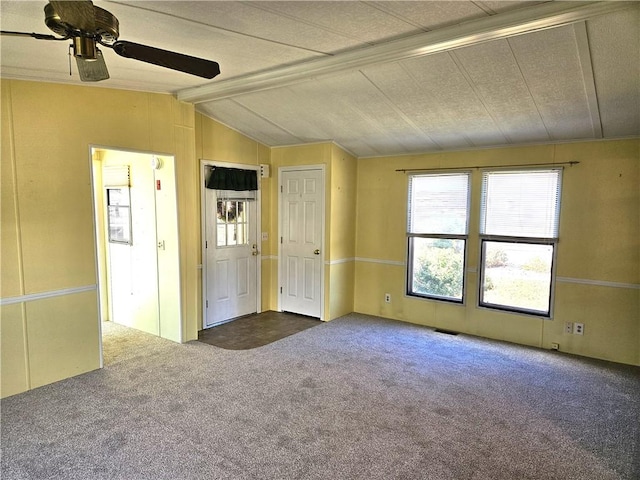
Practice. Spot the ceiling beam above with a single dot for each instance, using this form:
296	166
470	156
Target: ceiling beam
584	54
503	25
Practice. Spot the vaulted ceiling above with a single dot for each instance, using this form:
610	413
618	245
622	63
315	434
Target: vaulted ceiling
378	78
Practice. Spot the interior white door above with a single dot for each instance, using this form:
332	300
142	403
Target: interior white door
232	258
301	241
131	247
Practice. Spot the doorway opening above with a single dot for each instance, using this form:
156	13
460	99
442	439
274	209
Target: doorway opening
231	258
136	224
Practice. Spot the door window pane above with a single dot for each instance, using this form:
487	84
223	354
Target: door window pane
231	223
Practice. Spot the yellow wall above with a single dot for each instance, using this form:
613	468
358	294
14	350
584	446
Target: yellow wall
49	317
48	260
342	232
598	262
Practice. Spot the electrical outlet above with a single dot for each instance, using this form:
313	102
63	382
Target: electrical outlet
578	328
568	327
387	298
555	346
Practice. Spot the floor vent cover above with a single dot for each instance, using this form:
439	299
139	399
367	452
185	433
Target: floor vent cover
448	332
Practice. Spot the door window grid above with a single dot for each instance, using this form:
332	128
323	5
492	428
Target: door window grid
232	223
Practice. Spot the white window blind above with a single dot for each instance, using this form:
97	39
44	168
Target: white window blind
116	176
439	204
521	204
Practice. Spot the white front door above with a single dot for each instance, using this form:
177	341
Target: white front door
231	257
301	227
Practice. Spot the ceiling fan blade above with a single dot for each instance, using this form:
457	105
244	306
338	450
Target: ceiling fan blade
164	58
92	70
78	14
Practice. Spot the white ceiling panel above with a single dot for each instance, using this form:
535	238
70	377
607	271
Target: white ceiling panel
357	20
433	93
615	53
365	112
502	6
240	118
577	77
249	20
551	67
290	111
237	55
497	79
431	15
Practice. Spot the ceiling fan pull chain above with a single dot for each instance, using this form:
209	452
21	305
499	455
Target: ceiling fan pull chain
70	74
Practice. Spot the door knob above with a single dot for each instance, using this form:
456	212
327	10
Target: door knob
316	251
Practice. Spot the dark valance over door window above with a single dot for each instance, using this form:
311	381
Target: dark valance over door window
222	178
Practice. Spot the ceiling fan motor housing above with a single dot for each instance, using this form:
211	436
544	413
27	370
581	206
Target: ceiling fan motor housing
106	25
84	47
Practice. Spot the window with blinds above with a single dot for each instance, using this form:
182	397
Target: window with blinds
437	229
519	222
520	204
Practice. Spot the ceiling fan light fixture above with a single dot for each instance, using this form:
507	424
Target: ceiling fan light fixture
93	70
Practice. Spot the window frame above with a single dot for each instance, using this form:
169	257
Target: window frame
551	241
517	240
409	270
125	207
457	237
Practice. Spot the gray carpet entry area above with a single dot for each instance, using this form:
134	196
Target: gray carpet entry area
356	398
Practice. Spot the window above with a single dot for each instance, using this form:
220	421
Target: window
232	223
438	218
519	219
119	215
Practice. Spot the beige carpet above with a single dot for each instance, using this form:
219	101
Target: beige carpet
356	398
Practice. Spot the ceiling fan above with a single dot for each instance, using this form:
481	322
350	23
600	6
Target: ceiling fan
87	26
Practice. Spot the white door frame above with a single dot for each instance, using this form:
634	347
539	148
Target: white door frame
320	167
203	230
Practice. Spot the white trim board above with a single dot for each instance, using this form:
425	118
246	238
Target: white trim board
31	297
384	262
340	261
598	283
579	281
